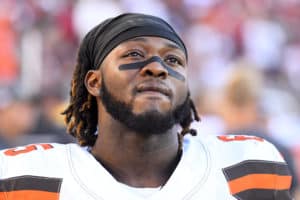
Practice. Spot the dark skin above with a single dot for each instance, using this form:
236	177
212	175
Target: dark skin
132	158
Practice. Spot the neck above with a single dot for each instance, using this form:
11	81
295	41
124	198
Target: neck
136	159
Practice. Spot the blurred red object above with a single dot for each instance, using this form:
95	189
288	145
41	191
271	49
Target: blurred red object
8	55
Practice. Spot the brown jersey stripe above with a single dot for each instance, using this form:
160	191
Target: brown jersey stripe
29	195
255	167
262	194
259	181
27	182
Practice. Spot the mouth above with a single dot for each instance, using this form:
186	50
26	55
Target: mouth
154	89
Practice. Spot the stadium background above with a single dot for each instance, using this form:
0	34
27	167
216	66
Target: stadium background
39	40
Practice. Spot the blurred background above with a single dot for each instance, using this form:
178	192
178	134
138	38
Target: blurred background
244	64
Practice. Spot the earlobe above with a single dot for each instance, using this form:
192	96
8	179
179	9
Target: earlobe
92	82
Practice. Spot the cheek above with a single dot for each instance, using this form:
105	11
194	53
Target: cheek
181	87
180	94
118	83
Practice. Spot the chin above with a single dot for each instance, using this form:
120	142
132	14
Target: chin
156	106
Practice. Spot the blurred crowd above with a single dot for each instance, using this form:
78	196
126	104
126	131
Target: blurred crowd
244	58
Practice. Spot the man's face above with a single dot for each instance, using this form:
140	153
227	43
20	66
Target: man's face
147	99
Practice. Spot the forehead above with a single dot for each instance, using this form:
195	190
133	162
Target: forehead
151	41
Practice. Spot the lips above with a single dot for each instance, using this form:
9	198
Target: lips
154	87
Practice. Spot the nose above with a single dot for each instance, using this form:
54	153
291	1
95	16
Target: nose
154	69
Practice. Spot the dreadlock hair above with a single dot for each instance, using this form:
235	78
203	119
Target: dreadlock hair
81	115
186	122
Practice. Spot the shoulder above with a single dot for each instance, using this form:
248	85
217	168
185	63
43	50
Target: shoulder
31	157
249	164
31	150
235	148
229	150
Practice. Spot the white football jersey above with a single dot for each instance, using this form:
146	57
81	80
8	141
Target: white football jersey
211	168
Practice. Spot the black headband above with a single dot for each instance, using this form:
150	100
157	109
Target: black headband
106	36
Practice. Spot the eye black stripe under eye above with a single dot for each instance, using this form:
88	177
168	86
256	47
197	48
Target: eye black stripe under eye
139	65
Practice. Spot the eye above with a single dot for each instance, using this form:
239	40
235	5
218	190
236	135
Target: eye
134	54
173	60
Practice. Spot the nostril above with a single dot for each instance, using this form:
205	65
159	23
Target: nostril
149	72
156	74
163	74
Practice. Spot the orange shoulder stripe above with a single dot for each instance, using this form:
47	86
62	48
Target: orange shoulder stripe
260	181
29	195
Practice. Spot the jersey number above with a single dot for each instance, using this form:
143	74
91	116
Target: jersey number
229	138
26	149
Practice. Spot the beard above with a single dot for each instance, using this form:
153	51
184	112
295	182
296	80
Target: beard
147	123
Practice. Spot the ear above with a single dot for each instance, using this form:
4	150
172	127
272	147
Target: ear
92	82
